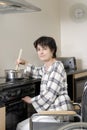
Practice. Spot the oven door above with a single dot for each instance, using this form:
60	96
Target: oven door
15	112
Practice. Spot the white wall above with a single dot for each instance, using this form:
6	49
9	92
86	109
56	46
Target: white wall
73	34
21	30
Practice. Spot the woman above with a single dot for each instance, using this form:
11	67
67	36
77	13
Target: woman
53	88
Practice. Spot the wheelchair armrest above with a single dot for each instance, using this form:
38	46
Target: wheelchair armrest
62	112
52	113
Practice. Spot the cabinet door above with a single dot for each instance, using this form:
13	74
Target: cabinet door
70	82
2	118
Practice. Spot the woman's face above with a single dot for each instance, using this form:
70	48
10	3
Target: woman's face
44	53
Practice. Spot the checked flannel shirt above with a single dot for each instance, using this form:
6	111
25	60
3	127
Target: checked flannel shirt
53	88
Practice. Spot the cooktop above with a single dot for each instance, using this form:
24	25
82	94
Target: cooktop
4	80
5	83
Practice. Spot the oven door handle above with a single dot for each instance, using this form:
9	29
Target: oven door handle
15	103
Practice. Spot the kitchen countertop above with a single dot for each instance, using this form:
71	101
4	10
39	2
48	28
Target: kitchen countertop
70	72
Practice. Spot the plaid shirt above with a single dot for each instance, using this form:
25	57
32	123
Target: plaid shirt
53	89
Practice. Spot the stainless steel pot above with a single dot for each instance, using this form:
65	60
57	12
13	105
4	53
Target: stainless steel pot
14	74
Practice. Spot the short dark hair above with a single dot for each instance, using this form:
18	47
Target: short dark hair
47	41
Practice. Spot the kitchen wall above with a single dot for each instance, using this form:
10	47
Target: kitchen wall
20	30
73	33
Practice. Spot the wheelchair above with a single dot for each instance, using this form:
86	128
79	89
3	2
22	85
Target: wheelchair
75	121
65	118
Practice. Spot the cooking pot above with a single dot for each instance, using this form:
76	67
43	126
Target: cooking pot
12	74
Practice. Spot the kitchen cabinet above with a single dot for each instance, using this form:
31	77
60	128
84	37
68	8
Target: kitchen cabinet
2	118
76	80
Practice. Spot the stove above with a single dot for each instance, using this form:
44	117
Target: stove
11	91
11	94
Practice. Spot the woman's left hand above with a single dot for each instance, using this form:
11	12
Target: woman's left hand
27	99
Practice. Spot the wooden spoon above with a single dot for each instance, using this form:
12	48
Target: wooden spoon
19	56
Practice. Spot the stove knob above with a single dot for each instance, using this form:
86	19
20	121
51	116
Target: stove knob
1	98
12	94
6	98
18	92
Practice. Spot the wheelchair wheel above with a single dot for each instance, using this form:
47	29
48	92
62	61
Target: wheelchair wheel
74	126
